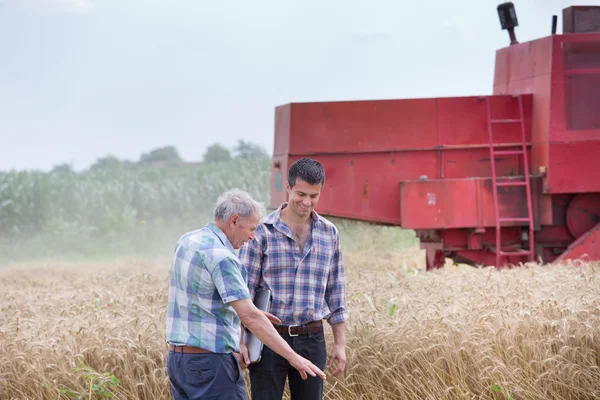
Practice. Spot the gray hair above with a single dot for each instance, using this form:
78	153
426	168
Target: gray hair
237	201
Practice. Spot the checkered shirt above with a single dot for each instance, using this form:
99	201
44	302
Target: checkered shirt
307	286
205	276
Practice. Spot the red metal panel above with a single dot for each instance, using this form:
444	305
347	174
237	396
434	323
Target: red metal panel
574	167
458	239
575	80
476	163
522	62
465	203
463	120
581	19
440	204
365	186
282	130
279	170
526	68
587	247
363	126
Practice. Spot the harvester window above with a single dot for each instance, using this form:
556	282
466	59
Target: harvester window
582	103
582	55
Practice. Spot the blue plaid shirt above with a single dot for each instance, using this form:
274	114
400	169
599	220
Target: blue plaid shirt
205	276
307	286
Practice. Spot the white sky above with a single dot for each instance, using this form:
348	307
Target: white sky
80	79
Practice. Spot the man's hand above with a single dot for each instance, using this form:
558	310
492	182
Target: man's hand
273	319
243	357
338	353
305	367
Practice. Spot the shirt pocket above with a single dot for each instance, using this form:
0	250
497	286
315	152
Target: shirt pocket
323	253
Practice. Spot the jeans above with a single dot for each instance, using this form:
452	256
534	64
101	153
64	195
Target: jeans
206	376
267	377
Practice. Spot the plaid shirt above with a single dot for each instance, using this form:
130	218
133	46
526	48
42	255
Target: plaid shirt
205	276
307	286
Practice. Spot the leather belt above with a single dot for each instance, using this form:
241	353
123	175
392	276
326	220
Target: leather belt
188	349
296	330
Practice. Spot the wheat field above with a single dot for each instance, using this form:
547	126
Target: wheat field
87	330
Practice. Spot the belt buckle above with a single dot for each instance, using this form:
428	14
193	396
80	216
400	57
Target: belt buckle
290	330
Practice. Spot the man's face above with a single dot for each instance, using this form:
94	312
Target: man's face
242	229
303	197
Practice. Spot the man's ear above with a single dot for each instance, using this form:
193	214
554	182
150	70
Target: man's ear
234	220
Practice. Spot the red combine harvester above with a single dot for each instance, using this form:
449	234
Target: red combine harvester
491	180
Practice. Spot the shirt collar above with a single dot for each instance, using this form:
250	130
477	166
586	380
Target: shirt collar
275	217
221	235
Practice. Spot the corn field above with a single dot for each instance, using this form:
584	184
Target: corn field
137	210
109	201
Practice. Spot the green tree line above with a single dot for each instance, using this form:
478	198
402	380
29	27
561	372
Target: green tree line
169	156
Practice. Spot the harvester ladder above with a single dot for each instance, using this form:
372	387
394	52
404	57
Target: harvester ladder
526	183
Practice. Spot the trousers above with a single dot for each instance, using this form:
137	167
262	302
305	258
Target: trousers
212	376
268	376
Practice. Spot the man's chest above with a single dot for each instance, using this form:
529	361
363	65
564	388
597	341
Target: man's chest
300	234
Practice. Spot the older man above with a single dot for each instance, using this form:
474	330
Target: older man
207	298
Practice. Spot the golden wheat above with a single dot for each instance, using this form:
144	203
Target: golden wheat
457	333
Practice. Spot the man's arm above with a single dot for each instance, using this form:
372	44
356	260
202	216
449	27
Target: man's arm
338	351
257	322
335	297
243	357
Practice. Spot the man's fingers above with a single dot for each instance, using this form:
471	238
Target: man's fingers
320	373
272	318
338	370
244	354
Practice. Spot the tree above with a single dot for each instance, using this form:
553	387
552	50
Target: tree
215	153
167	154
107	162
247	150
63	168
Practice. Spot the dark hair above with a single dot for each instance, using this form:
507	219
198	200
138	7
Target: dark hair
310	171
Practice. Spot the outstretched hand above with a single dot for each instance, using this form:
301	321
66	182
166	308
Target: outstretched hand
305	367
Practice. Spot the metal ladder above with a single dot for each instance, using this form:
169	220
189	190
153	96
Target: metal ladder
526	183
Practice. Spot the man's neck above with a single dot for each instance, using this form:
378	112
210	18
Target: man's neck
291	218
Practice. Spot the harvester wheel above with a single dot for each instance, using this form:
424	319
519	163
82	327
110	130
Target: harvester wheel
583	213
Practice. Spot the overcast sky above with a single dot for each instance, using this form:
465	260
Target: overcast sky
80	79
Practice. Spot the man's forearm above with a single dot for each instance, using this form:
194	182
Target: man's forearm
263	329
339	334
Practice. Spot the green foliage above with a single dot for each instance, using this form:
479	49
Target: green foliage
249	150
104	204
500	389
63	168
167	155
370	301
390	307
216	153
101	385
109	162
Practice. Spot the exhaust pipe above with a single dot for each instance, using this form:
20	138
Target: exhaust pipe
508	20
